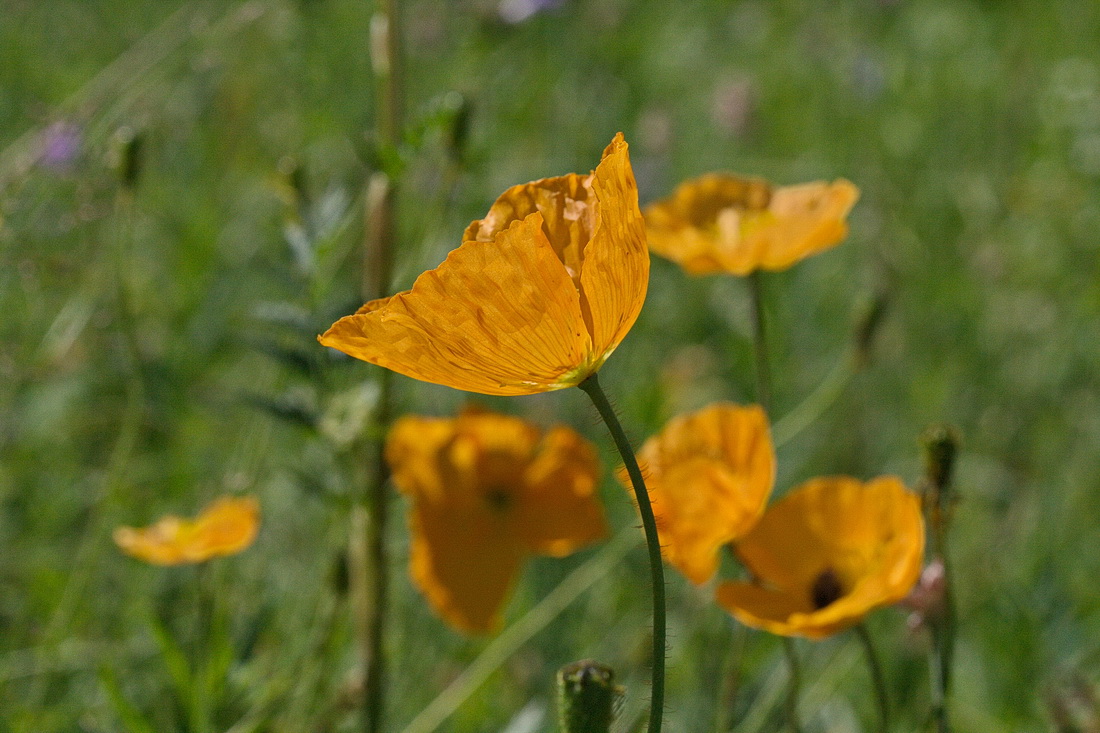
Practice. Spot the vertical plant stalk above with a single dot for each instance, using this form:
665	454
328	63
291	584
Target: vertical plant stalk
794	685
940	443
368	552
760	341
591	387
877	677
764	397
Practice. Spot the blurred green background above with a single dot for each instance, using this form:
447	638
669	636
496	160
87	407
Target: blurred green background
181	192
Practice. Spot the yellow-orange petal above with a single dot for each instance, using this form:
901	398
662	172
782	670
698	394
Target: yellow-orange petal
869	537
413	450
496	318
709	475
464	562
558	510
725	223
615	272
801	221
225	527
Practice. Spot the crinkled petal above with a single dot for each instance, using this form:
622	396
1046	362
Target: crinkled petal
496	318
464	563
558	510
709	476
615	272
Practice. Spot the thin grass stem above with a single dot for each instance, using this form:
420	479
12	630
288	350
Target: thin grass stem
794	685
591	387
515	636
877	677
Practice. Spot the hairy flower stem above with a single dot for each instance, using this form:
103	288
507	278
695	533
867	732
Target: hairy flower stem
591	387
877	677
368	551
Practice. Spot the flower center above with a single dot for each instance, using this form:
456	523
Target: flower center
826	589
498	499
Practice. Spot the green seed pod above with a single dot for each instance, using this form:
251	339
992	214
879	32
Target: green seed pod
587	697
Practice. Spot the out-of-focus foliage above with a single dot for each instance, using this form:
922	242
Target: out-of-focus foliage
180	215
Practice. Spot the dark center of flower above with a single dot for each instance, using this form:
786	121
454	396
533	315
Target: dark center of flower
498	499
826	589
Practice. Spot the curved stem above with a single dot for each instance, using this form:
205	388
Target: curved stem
591	387
877	677
794	687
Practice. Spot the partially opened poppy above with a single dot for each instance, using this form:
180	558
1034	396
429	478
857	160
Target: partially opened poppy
724	223
826	554
487	490
709	475
225	527
538	295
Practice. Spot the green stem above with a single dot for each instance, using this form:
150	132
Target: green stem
794	687
760	342
763	396
591	387
729	678
877	676
369	542
937	669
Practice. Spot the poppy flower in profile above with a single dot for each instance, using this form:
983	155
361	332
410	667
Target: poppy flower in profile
724	223
538	295
225	527
487	490
709	475
826	554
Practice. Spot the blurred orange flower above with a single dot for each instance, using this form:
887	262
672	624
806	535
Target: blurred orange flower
723	223
709	475
826	554
225	527
487	490
538	295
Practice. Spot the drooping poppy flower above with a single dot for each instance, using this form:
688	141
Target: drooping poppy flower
225	527
826	554
486	491
709	475
724	223
538	295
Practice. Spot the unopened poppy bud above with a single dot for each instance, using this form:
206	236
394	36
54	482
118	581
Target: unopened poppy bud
459	110
940	443
867	327
587	696
129	155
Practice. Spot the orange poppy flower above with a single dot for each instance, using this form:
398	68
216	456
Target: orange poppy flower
709	475
487	490
225	527
538	295
826	554
723	223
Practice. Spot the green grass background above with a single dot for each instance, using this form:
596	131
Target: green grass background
151	334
